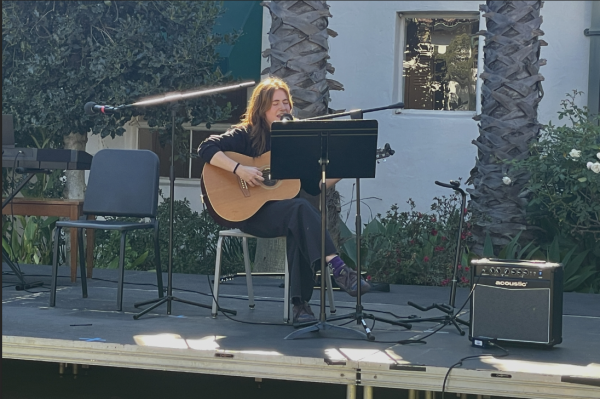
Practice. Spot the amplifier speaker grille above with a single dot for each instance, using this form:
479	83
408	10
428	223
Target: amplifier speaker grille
511	314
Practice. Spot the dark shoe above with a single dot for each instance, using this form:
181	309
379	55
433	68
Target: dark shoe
347	279
303	314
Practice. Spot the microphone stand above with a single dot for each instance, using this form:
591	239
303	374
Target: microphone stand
174	98
450	317
358	314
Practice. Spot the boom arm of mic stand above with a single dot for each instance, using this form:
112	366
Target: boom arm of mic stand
355	112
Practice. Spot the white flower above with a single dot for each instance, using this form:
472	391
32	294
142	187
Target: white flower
506	180
575	153
589	165
595	167
598	155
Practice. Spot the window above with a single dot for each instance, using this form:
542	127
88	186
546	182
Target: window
440	62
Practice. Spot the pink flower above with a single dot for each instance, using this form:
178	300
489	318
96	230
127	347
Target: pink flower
368	278
434	232
439	248
426	259
445	282
464	280
459	267
466	268
444	238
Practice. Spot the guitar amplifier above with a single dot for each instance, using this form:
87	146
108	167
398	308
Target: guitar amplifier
517	301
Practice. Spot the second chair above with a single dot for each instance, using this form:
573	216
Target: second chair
121	183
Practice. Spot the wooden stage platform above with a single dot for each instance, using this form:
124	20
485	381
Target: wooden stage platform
251	344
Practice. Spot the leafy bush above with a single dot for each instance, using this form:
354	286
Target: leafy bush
564	185
413	247
29	239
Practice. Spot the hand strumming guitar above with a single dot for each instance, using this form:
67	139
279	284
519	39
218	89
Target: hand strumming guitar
249	174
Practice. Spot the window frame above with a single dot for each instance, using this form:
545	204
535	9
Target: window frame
400	46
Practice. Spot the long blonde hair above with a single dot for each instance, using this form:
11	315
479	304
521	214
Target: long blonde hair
255	117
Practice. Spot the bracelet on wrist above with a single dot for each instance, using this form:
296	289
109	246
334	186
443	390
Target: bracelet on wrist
236	166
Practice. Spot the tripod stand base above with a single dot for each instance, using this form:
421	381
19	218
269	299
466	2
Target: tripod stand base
168	299
324	326
24	284
449	318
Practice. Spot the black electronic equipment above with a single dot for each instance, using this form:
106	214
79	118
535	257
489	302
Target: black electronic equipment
518	302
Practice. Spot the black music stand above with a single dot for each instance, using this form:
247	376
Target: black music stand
334	149
359	315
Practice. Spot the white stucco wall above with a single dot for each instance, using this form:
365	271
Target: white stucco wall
430	145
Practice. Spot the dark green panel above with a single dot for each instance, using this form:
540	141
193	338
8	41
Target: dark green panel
242	59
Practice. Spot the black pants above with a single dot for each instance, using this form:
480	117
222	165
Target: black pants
300	223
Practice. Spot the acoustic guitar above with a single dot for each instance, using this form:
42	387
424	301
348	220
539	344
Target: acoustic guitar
231	199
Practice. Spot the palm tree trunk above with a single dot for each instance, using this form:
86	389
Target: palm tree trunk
508	122
298	54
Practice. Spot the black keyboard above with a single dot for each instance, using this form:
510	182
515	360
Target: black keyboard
39	158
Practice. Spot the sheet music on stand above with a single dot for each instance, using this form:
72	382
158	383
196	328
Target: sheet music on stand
350	147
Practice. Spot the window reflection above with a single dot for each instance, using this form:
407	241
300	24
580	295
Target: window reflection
440	63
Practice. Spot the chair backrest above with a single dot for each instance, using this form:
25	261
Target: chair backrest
123	183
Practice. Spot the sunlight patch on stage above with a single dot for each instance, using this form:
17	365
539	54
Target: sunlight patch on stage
161	341
364	355
208	343
591	370
270	353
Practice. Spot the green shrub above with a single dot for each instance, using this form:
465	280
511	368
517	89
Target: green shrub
564	186
413	247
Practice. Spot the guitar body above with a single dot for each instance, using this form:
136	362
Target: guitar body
231	199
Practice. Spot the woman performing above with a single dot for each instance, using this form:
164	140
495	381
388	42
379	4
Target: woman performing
295	218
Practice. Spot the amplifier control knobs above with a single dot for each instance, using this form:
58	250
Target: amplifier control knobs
506	271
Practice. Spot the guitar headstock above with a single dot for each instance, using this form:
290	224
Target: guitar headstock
384	152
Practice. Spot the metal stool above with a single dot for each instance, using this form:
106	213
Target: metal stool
244	237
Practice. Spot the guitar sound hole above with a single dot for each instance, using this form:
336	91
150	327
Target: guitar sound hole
266	173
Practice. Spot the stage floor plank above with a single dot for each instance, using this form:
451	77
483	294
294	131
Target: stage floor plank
91	332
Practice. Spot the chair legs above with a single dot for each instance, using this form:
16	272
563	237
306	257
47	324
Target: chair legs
54	268
287	302
248	272
82	265
121	271
216	282
82	269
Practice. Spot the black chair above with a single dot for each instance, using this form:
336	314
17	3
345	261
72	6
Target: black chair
122	183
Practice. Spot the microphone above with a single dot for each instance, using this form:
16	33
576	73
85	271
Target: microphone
92	108
286	117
